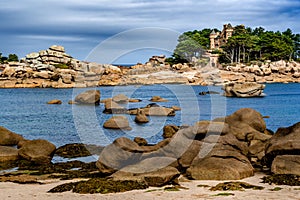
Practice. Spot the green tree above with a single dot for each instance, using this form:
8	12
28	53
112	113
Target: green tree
12	58
191	44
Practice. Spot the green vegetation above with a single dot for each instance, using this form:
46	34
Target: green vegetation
10	58
276	189
171	189
62	66
245	45
99	185
235	186
258	45
282	179
191	44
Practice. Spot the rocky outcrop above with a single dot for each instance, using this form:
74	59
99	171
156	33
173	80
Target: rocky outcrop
224	149
226	160
88	97
145	172
286	164
55	68
141	117
154	110
117	122
8	154
112	107
249	126
140	141
283	149
169	131
158	99
37	151
279	71
54	101
52	68
121	99
243	90
9	138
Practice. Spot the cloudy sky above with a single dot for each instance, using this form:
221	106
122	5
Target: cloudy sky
82	25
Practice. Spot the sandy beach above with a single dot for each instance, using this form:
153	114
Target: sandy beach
193	191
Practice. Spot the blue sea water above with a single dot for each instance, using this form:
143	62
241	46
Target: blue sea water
25	111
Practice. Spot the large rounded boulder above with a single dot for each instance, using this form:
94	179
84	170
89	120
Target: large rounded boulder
282	151
9	138
221	158
117	122
88	97
37	151
8	154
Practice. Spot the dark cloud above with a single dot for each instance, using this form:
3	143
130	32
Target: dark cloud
29	25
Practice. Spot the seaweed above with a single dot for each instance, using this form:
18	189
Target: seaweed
282	179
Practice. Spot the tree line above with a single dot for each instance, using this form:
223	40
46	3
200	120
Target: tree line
10	58
245	45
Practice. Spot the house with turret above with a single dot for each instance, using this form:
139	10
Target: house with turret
217	39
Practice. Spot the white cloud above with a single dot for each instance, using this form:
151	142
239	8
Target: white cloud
79	21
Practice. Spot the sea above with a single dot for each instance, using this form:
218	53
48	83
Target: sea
26	112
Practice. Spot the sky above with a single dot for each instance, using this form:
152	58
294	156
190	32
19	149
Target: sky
89	28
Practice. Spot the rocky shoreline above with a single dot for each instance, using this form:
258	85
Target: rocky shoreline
231	148
53	68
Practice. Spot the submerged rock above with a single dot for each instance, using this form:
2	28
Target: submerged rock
54	101
158	99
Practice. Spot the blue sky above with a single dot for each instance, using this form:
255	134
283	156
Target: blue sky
81	26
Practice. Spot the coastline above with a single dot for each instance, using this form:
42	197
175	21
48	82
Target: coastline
53	68
202	76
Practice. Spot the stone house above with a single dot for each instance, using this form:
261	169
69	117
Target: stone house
217	39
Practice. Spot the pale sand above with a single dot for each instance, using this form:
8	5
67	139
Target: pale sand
14	191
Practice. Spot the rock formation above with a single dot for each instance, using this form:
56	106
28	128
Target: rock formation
54	101
117	122
88	97
141	117
37	151
243	90
282	151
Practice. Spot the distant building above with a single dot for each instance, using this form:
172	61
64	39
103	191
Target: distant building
217	39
